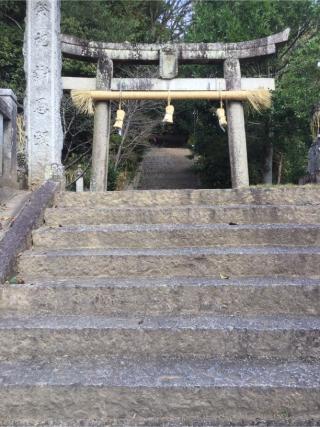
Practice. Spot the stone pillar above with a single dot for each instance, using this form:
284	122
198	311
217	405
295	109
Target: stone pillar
79	180
1	144
42	54
8	138
236	127
101	128
314	158
267	175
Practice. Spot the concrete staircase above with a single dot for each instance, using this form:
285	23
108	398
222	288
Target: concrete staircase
177	308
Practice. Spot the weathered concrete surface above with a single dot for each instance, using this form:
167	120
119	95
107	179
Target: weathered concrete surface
11	203
44	89
231	337
168	62
187	214
8	138
97	393
18	237
169	311
236	127
193	262
173	236
174	296
314	160
100	146
190	84
306	195
187	52
164	168
101	131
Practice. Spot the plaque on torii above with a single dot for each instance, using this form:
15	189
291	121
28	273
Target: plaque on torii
169	56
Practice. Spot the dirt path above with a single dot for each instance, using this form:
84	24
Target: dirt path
167	168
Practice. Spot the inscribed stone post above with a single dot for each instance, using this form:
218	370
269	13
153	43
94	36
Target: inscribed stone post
44	89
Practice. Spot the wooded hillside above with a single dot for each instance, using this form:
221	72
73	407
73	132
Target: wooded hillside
279	137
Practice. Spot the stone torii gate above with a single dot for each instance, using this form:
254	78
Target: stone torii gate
168	56
44	64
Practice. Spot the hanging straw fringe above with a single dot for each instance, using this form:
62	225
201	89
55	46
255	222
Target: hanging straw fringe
259	99
84	100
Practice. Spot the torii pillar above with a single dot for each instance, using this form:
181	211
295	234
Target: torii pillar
101	132
42	54
236	127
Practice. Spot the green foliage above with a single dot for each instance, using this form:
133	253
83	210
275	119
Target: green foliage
286	125
11	42
240	20
299	87
113	174
113	21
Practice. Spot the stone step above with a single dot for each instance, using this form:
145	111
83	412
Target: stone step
98	393
156	296
256	195
232	337
193	262
178	235
188	214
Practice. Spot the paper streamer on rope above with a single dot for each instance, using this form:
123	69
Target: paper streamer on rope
168	118
221	117
119	119
221	114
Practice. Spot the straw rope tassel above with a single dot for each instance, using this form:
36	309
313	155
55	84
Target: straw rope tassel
119	118
120	114
221	114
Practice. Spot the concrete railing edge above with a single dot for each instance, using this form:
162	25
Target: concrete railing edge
18	237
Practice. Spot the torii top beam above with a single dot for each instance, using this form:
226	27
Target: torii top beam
74	47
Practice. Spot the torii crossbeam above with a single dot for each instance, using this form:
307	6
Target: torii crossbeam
141	53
